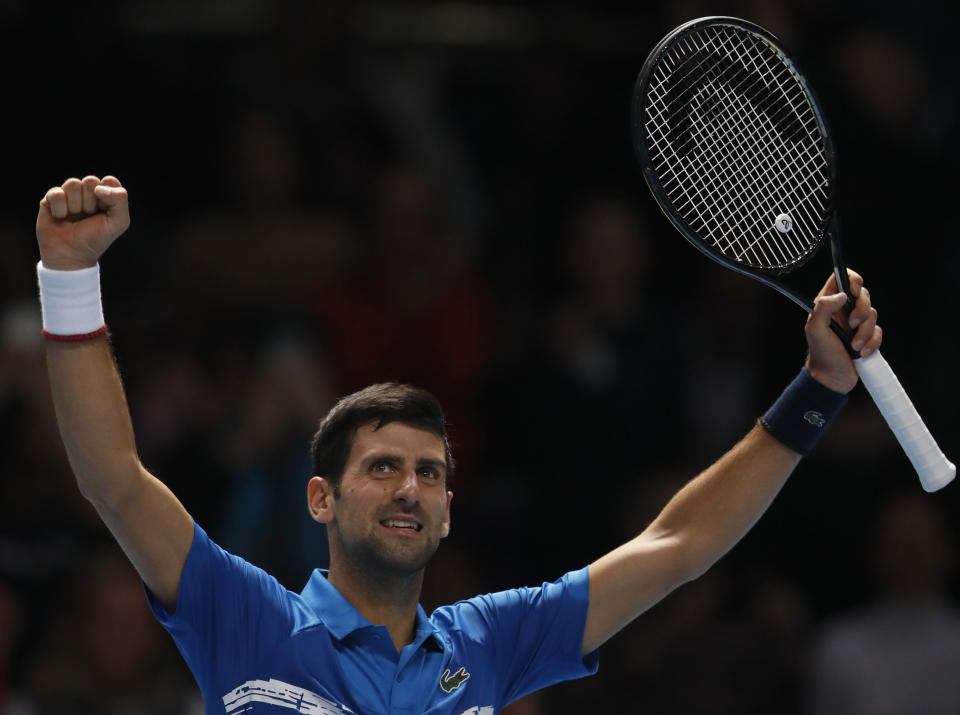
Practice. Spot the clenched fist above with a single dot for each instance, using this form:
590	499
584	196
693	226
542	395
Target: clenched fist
78	221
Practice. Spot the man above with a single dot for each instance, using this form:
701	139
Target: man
897	654
356	640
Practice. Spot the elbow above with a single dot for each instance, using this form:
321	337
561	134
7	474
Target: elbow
691	558
695	570
111	484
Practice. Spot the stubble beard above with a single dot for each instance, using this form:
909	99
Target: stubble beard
376	555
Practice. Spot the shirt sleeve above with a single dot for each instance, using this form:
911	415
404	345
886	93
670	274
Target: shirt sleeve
227	610
536	634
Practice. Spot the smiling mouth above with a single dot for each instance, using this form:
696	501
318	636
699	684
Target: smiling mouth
405	525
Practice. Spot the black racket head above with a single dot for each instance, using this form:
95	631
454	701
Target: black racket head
734	146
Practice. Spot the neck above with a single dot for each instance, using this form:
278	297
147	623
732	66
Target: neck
387	599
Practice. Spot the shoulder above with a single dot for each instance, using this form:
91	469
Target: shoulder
219	586
480	614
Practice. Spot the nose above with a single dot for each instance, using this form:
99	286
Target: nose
408	491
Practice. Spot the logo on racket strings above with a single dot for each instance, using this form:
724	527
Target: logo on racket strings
815	418
783	223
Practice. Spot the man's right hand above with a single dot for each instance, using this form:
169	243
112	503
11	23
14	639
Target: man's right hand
78	221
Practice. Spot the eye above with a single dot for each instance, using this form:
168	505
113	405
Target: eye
429	473
380	466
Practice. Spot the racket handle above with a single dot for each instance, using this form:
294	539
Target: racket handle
933	468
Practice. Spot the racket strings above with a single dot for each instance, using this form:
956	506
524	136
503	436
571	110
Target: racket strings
710	140
736	143
724	158
720	165
717	167
740	153
755	121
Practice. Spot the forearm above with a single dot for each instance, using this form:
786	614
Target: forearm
93	418
706	518
698	526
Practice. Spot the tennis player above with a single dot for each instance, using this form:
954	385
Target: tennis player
355	639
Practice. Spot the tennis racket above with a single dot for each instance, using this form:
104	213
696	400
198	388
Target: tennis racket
735	149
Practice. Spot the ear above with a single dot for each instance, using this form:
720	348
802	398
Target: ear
320	499
445	531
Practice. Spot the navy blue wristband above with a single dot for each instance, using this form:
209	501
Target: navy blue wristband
801	414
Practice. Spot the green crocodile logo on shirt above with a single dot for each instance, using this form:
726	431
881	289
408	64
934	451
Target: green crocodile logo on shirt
449	683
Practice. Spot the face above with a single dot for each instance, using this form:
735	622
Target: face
392	508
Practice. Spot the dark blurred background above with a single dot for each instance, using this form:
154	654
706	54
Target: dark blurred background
329	194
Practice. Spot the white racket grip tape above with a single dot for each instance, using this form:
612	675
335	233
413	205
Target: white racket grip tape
933	467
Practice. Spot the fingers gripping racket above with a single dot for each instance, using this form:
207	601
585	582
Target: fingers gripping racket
734	146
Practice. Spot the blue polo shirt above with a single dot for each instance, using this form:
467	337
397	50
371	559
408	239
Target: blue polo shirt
253	646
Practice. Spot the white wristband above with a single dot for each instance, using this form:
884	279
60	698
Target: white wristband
70	301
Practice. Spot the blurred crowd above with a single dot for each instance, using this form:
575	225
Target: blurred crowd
322	203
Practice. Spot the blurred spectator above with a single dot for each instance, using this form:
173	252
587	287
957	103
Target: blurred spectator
730	642
180	405
262	251
264	517
408	96
894	124
412	310
900	654
888	80
105	654
29	439
686	639
11	701
243	263
598	396
723	327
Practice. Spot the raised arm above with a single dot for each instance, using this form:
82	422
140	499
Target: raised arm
76	223
712	512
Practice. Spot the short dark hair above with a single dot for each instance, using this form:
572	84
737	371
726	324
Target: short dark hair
378	404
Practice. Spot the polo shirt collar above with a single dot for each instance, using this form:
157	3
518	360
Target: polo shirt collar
341	618
426	634
330	607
